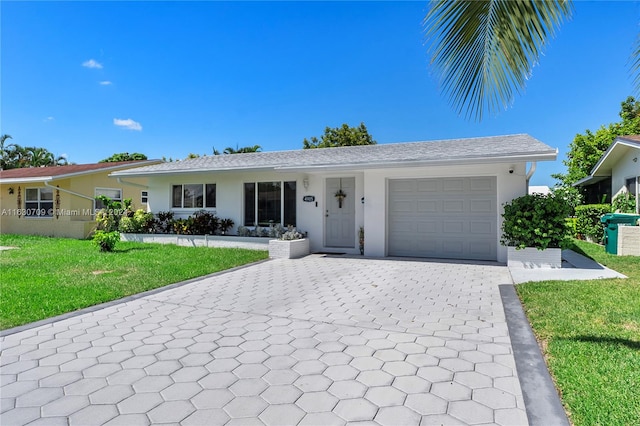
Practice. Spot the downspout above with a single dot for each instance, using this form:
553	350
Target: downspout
124	182
530	173
69	192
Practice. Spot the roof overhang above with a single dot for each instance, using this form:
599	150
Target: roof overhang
39	179
541	156
619	149
590	180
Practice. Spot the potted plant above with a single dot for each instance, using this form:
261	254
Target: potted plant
290	245
535	230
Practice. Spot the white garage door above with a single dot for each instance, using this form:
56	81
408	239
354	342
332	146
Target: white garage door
452	218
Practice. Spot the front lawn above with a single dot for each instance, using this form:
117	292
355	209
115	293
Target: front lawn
590	335
45	277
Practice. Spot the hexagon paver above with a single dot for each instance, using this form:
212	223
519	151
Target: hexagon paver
312	341
357	409
284	414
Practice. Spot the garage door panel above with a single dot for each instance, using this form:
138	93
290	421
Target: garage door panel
443	218
483	184
452	184
482	206
427	206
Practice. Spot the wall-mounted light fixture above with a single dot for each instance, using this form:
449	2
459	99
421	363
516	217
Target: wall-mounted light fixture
10	190
305	183
635	159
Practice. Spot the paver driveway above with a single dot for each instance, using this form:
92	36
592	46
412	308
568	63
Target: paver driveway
319	340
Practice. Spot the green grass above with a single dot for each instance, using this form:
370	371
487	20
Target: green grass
45	277
590	334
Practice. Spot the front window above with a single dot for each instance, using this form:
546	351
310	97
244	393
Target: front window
38	202
270	203
113	194
193	196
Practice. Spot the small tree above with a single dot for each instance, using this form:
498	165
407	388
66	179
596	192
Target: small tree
108	221
340	136
535	220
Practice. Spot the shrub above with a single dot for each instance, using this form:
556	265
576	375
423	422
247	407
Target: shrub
571	224
292	234
140	221
225	225
624	202
204	223
106	240
535	220
164	222
588	220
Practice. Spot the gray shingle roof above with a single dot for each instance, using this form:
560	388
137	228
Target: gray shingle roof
453	151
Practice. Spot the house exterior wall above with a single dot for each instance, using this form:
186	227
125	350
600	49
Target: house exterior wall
75	214
370	185
624	169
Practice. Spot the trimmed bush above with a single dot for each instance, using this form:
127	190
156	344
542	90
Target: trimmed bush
106	240
588	221
535	220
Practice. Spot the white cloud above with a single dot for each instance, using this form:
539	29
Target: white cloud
105	83
46	120
92	63
127	124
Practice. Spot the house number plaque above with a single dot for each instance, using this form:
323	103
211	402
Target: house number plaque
309	198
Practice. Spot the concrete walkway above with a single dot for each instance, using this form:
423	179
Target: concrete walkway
574	267
314	341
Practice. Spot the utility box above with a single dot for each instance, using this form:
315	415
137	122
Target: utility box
612	221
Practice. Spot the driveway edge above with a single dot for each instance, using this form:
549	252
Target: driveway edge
93	308
541	399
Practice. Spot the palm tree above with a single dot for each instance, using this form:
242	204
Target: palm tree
485	50
243	150
39	157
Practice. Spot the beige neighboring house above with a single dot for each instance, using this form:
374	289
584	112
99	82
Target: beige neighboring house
60	201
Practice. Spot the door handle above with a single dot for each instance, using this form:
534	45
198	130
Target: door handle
327	214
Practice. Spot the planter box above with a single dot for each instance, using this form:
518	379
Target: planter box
531	257
288	249
229	241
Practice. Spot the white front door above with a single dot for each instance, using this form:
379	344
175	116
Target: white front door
340	213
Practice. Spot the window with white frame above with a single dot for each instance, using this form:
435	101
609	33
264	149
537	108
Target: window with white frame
632	185
114	194
193	196
38	202
270	203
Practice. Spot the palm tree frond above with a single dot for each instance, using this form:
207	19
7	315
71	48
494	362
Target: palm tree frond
484	50
635	64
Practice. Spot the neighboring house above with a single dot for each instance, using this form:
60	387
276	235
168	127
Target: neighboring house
60	201
618	167
440	199
542	190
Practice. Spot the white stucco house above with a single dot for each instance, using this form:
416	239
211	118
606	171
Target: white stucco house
438	199
619	164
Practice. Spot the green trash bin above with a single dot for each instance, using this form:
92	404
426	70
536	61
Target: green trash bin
611	223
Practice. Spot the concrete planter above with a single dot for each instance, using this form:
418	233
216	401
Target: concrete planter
629	241
531	258
230	241
288	249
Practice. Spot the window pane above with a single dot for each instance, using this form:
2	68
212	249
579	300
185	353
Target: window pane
290	203
249	204
31	194
193	196
177	196
269	208
100	205
631	186
32	209
46	209
113	194
211	194
46	194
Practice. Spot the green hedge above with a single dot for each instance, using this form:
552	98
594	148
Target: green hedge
535	220
588	223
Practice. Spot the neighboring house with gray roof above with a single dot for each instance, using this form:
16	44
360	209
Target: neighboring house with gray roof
440	199
617	171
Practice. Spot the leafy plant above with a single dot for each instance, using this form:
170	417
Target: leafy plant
141	221
292	234
624	202
588	220
106	240
535	220
203	223
225	225
163	223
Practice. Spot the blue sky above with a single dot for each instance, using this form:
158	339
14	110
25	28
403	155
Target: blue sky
89	79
